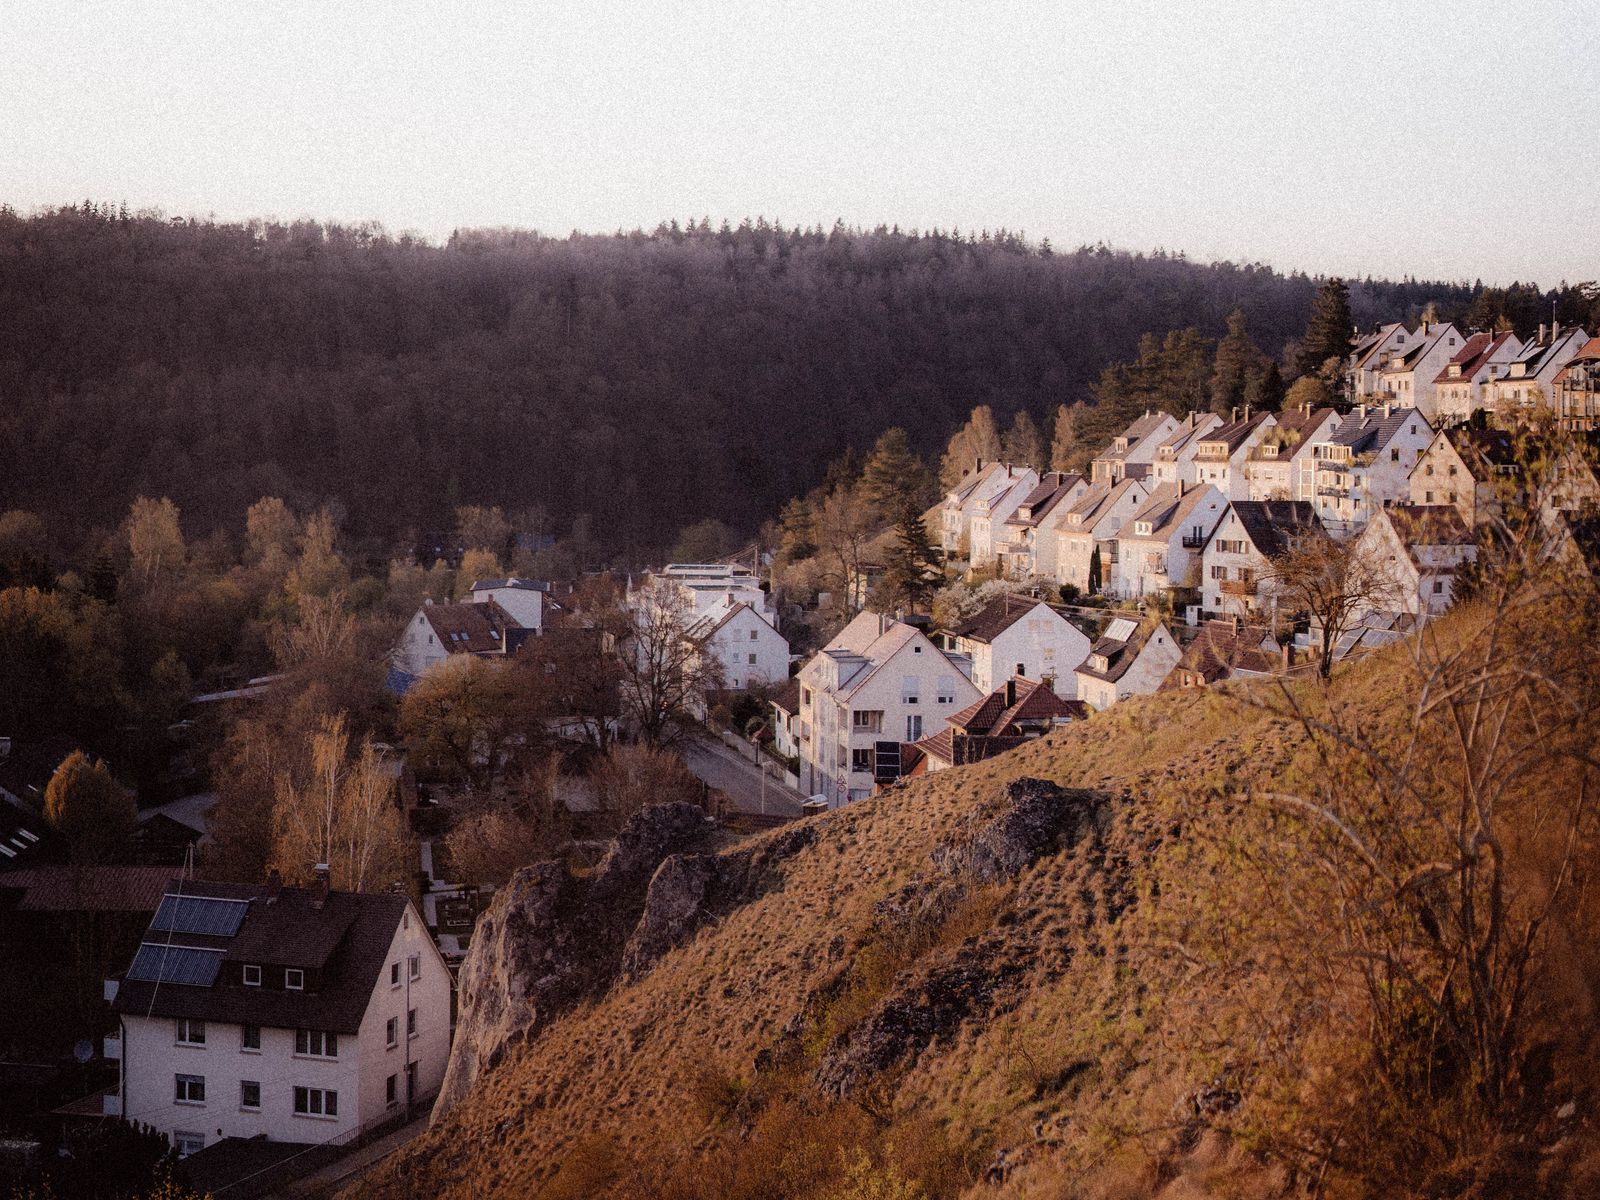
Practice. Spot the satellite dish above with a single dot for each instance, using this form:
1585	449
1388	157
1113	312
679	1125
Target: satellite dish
83	1050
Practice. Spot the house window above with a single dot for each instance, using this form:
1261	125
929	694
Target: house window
910	688
189	1089
394	974
252	974
947	689
191	1033
390	1032
753	635
187	1142
411	1023
752	660
862	760
250	1094
914	727
415	966
1394	455
294	979
391	1093
1427	497
315	1043
867	720
250	1038
1438	587
315	1102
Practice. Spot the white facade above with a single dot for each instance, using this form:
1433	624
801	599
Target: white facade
1420	572
1458	391
1039	643
1283	466
357	1075
1371	352
419	646
1366	464
705	587
1134	664
1160	546
1137	445
879	681
1094	521
978	486
1529	379
1221	455
1237	572
519	597
989	513
1408	377
750	650
1174	461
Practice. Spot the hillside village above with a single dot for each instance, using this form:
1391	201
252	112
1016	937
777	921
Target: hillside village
265	1027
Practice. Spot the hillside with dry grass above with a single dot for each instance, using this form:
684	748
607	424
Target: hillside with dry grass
1172	994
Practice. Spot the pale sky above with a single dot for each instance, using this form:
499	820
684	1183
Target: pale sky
1436	140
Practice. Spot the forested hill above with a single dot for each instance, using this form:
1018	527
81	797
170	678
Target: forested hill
649	380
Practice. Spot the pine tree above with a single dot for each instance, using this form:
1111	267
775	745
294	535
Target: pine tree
1238	361
1328	332
893	472
1263	391
913	567
1023	444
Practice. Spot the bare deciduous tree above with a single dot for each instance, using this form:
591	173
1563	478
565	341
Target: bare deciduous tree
665	677
1335	584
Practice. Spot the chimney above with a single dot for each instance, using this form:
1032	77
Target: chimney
1246	412
1386	408
1540	338
274	885
1233	414
321	887
1287	650
1011	691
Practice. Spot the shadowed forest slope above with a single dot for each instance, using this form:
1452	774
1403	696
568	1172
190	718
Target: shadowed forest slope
1144	974
647	380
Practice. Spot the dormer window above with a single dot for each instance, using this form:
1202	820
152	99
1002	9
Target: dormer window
294	979
252	974
1142	528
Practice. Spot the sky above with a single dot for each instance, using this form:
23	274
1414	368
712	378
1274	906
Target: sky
1432	140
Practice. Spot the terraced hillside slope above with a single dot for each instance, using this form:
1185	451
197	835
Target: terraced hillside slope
1126	960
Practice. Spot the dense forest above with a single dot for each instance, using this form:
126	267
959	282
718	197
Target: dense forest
648	380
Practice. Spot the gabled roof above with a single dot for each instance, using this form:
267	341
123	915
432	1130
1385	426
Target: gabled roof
1223	647
1235	433
1371	433
1478	445
970	482
62	888
1119	653
469	628
1409	361
1095	503
1294	426
1167	509
1472	357
1270	524
521	585
788	697
1134	434
707	627
346	940
1588	352
1538	356
1192	430
993	716
997	616
1053	488
1369	345
1428	525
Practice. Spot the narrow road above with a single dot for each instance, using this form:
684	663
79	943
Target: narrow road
740	779
346	1170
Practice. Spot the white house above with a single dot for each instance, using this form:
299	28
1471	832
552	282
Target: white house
1020	637
522	599
1371	351
1237	564
990	512
1132	452
978	486
291	1014
878	684
1406	375
708	586
742	639
786	719
1282	466
1366	464
1132	659
437	631
1530	378
1418	551
1159	547
1092	523
1221	454
1458	389
1174	461
1029	547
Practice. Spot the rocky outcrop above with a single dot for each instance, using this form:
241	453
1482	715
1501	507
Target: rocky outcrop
690	891
552	939
931	999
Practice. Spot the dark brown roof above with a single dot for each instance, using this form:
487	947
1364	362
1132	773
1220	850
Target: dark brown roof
1033	702
999	615
1271	523
345	942
63	888
1478	445
1429	524
469	628
1222	648
1119	655
788	696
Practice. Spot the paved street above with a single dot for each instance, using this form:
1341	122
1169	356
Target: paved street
740	780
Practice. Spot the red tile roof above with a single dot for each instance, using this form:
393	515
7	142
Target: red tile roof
469	628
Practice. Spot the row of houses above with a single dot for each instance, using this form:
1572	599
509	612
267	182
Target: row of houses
1448	375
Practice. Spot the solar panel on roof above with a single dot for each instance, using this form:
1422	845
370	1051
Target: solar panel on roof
155	963
199	914
1121	629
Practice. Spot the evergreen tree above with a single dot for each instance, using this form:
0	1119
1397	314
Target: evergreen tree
1238	361
1328	332
1263	391
1023	444
1095	569
913	568
893	472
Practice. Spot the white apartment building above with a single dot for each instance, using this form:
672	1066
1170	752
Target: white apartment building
1458	389
1529	378
1174	461
1237	564
437	631
522	599
1159	547
1366	464
1093	522
1418	550
1221	454
1131	659
1132	452
708	586
1406	376
743	641
294	1014
1283	466
878	684
1371	351
1020	637
978	486
990	512
1030	545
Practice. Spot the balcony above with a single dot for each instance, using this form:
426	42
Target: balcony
1192	541
111	1047
1237	587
